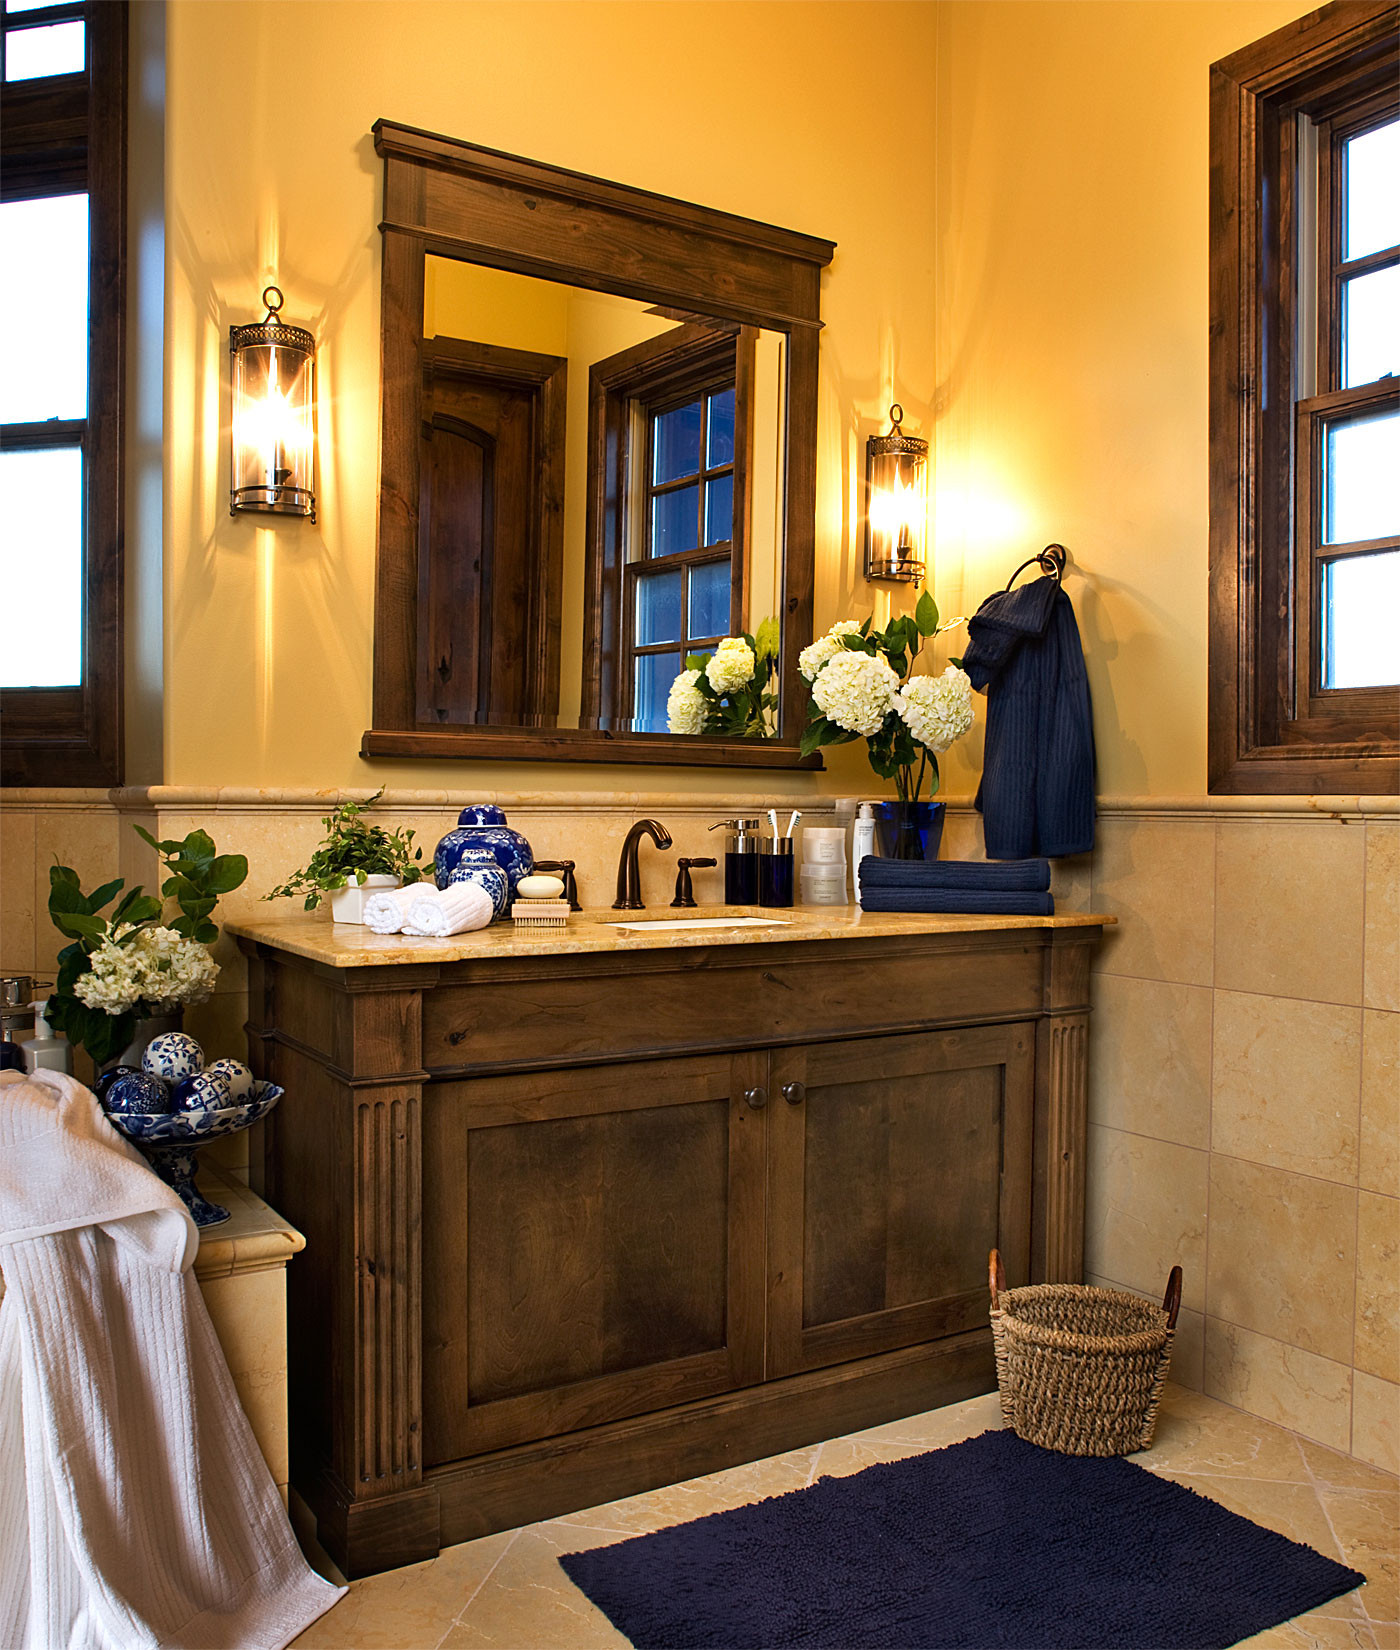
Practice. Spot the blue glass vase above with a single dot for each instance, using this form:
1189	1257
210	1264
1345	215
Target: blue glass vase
483	825
908	830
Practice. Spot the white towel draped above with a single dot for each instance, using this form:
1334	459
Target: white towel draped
136	1512
451	910
386	910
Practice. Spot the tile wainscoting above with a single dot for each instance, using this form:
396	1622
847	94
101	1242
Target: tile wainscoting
1246	1081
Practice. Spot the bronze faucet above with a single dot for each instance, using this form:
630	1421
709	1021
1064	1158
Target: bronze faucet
629	878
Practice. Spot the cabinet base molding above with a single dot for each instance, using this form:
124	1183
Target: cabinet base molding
587	1469
385	1533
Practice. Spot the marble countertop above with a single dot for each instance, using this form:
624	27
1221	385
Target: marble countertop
347	945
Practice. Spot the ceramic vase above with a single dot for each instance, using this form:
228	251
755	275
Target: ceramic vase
479	865
483	825
908	830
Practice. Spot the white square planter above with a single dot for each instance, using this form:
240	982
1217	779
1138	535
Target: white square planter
349	904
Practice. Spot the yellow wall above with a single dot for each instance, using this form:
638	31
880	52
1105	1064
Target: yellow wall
1071	300
776	111
1023	266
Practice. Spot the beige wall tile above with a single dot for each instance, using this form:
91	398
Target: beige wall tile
1378	1285
1283	1383
962	835
1288	908
249	1314
1375	1421
1285	1082
1146	1213
1072	883
217	1025
1158	878
1282	1256
1150	1058
1382	949
1380	1103
17	890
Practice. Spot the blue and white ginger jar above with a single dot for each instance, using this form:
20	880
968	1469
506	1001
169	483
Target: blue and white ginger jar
483	825
479	865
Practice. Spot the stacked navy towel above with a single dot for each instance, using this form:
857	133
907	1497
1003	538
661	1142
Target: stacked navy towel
1011	888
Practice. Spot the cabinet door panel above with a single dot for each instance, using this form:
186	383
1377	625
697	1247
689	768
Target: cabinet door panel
902	1163
588	1248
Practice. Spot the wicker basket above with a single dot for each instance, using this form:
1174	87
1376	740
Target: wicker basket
1080	1370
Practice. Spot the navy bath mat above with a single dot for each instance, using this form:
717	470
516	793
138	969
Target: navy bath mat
992	1542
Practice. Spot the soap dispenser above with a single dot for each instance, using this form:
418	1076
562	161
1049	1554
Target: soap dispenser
862	842
44	1051
740	860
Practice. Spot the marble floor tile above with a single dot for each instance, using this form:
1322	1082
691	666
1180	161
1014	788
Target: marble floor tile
507	1592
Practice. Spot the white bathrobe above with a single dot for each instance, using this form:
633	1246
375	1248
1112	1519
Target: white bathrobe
136	1511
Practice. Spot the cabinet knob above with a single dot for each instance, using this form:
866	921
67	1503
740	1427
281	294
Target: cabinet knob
757	1098
794	1093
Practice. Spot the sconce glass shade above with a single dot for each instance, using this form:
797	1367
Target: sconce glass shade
273	369
896	503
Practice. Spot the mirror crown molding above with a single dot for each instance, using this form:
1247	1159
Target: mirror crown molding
479	205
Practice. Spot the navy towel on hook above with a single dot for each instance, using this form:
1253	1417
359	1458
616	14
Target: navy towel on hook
1037	790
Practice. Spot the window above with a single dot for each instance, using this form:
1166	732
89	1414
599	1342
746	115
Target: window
670	430
62	208
679	580
1305	408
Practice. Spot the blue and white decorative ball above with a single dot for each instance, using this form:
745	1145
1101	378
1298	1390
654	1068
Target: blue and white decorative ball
237	1076
129	1090
173	1056
201	1091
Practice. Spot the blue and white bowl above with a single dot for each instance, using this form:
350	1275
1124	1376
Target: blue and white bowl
479	865
173	1056
483	825
170	1142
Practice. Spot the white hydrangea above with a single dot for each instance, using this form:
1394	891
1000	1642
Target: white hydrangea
159	968
731	665
812	658
856	691
686	706
937	709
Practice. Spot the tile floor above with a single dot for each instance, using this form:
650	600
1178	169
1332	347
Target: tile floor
506	1591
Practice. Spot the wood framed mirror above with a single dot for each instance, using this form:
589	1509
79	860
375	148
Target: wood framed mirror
598	455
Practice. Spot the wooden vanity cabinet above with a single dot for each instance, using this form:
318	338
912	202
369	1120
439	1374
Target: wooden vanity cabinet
582	1225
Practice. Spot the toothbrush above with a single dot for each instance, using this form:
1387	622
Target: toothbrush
773	821
796	815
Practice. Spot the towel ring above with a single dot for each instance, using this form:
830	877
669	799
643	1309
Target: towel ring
1051	562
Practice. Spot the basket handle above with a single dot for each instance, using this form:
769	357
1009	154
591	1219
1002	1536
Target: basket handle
996	1276
1171	1301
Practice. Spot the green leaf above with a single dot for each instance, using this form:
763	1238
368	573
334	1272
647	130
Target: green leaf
926	615
136	907
767	636
84	927
696	661
228	871
108	891
65	894
958	662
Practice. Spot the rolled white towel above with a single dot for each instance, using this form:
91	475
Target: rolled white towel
451	910
386	910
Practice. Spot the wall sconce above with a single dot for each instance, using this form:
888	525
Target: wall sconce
896	504
274	415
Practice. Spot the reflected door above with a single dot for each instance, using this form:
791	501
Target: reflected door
895	1165
490	565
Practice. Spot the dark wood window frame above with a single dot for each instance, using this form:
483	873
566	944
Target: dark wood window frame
1273	729
669	369
65	134
462	201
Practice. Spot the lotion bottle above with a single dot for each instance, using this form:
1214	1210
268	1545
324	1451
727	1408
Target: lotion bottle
43	1050
862	842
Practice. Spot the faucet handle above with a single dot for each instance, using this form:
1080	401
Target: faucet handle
685	894
565	868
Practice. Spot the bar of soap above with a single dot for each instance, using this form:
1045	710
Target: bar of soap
539	887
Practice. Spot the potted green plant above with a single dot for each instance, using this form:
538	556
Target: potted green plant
354	856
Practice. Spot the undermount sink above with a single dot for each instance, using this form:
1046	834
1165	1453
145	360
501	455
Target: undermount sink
707	922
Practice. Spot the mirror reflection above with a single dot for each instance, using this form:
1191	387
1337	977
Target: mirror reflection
601	498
